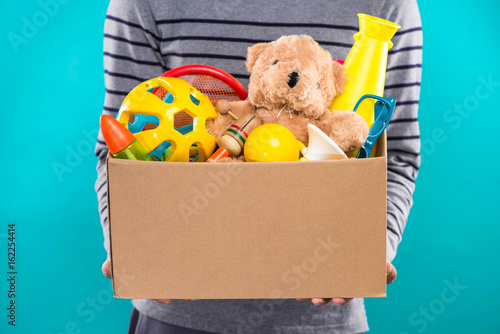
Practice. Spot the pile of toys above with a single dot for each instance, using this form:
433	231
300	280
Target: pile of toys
296	95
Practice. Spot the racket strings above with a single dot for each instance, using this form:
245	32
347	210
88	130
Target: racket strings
215	89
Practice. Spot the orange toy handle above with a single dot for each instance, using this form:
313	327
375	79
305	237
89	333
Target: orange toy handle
219	154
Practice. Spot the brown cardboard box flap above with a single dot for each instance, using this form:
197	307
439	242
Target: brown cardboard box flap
248	230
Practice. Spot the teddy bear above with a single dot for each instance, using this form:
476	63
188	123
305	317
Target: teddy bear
293	80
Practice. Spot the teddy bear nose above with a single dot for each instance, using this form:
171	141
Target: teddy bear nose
294	77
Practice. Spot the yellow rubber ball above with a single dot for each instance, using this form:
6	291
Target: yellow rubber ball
271	143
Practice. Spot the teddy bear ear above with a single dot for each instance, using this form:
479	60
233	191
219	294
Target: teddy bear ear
253	53
339	77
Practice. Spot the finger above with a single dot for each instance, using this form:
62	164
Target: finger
341	301
320	301
161	301
303	299
391	273
106	268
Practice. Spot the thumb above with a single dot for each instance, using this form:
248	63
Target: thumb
391	273
106	268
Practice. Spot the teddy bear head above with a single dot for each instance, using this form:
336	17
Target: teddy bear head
294	72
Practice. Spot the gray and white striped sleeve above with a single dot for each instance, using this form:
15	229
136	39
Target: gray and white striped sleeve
404	70
131	56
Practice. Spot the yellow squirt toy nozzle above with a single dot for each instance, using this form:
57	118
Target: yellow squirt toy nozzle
366	65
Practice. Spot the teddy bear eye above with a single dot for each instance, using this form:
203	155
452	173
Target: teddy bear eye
275	62
317	85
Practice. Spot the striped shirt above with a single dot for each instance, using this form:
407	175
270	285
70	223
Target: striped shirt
143	39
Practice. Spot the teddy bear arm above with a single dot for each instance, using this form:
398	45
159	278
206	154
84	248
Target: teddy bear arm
346	128
240	108
223	121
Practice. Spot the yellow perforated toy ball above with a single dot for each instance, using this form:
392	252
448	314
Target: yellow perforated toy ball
184	99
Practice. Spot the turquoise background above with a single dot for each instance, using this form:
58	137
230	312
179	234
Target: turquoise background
51	95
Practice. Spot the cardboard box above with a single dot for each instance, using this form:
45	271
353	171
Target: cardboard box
248	230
